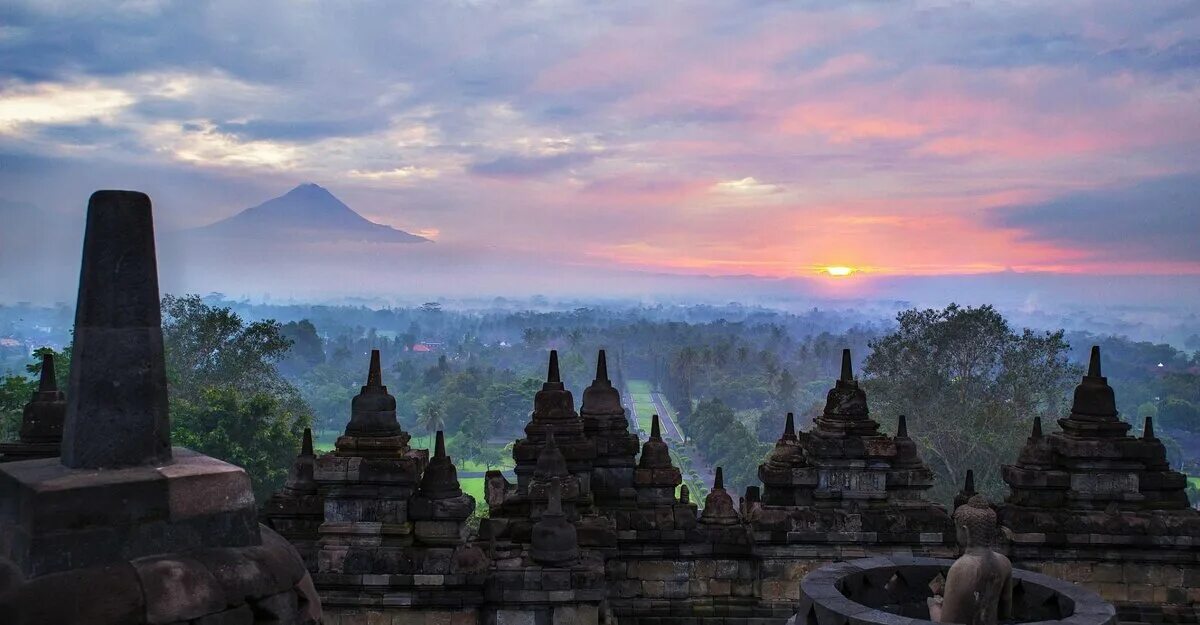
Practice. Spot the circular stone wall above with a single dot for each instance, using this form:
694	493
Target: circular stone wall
893	591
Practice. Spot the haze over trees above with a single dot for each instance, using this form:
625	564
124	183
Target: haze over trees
244	385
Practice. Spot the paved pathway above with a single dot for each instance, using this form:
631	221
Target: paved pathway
667	420
697	462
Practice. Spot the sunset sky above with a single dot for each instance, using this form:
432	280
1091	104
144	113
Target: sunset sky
765	138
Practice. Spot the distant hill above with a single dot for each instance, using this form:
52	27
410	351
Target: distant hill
308	211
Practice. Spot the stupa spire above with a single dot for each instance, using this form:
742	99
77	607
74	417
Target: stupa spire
374	372
117	405
602	366
48	381
1094	409
1148	429
373	410
440	480
551	464
847	367
655	433
902	427
718	505
439	446
789	427
1037	428
552	374
306	444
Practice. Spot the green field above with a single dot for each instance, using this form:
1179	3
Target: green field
1194	482
323	440
474	466
472	486
639	394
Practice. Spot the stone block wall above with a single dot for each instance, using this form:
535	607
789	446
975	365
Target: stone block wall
1146	586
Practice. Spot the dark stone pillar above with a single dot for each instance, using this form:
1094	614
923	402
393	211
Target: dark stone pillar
117	402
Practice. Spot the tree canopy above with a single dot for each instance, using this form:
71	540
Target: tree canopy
970	386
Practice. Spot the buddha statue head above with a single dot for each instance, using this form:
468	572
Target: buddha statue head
975	524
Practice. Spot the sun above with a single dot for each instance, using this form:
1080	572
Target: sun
839	271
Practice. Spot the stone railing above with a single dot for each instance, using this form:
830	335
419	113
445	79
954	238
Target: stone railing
876	591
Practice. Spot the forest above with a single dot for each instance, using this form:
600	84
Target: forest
246	379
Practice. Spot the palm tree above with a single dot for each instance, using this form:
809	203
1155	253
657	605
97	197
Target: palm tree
430	417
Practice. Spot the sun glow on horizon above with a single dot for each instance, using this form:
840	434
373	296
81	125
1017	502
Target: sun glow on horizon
838	271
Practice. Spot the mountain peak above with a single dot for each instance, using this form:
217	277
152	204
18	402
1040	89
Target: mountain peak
311	211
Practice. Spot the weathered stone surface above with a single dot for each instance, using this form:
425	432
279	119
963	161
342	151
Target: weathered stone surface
845	476
117	398
54	518
107	595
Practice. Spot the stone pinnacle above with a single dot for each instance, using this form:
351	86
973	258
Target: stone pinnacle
602	367
719	479
655	433
48	382
902	427
1094	363
375	374
969	486
306	446
789	427
1148	429
847	369
552	376
117	400
439	446
1037	428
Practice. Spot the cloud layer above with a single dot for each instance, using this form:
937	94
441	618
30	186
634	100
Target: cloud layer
773	139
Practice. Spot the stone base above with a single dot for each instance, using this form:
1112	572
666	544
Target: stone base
264	583
53	518
16	452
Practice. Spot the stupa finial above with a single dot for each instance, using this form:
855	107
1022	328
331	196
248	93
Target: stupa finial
552	375
306	444
375	372
48	381
1094	363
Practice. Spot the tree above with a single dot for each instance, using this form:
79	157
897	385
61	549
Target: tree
208	346
252	431
726	442
430	416
1179	414
307	350
15	392
228	400
970	387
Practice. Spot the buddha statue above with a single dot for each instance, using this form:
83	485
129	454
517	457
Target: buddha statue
978	588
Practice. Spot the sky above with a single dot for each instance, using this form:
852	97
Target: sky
765	139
